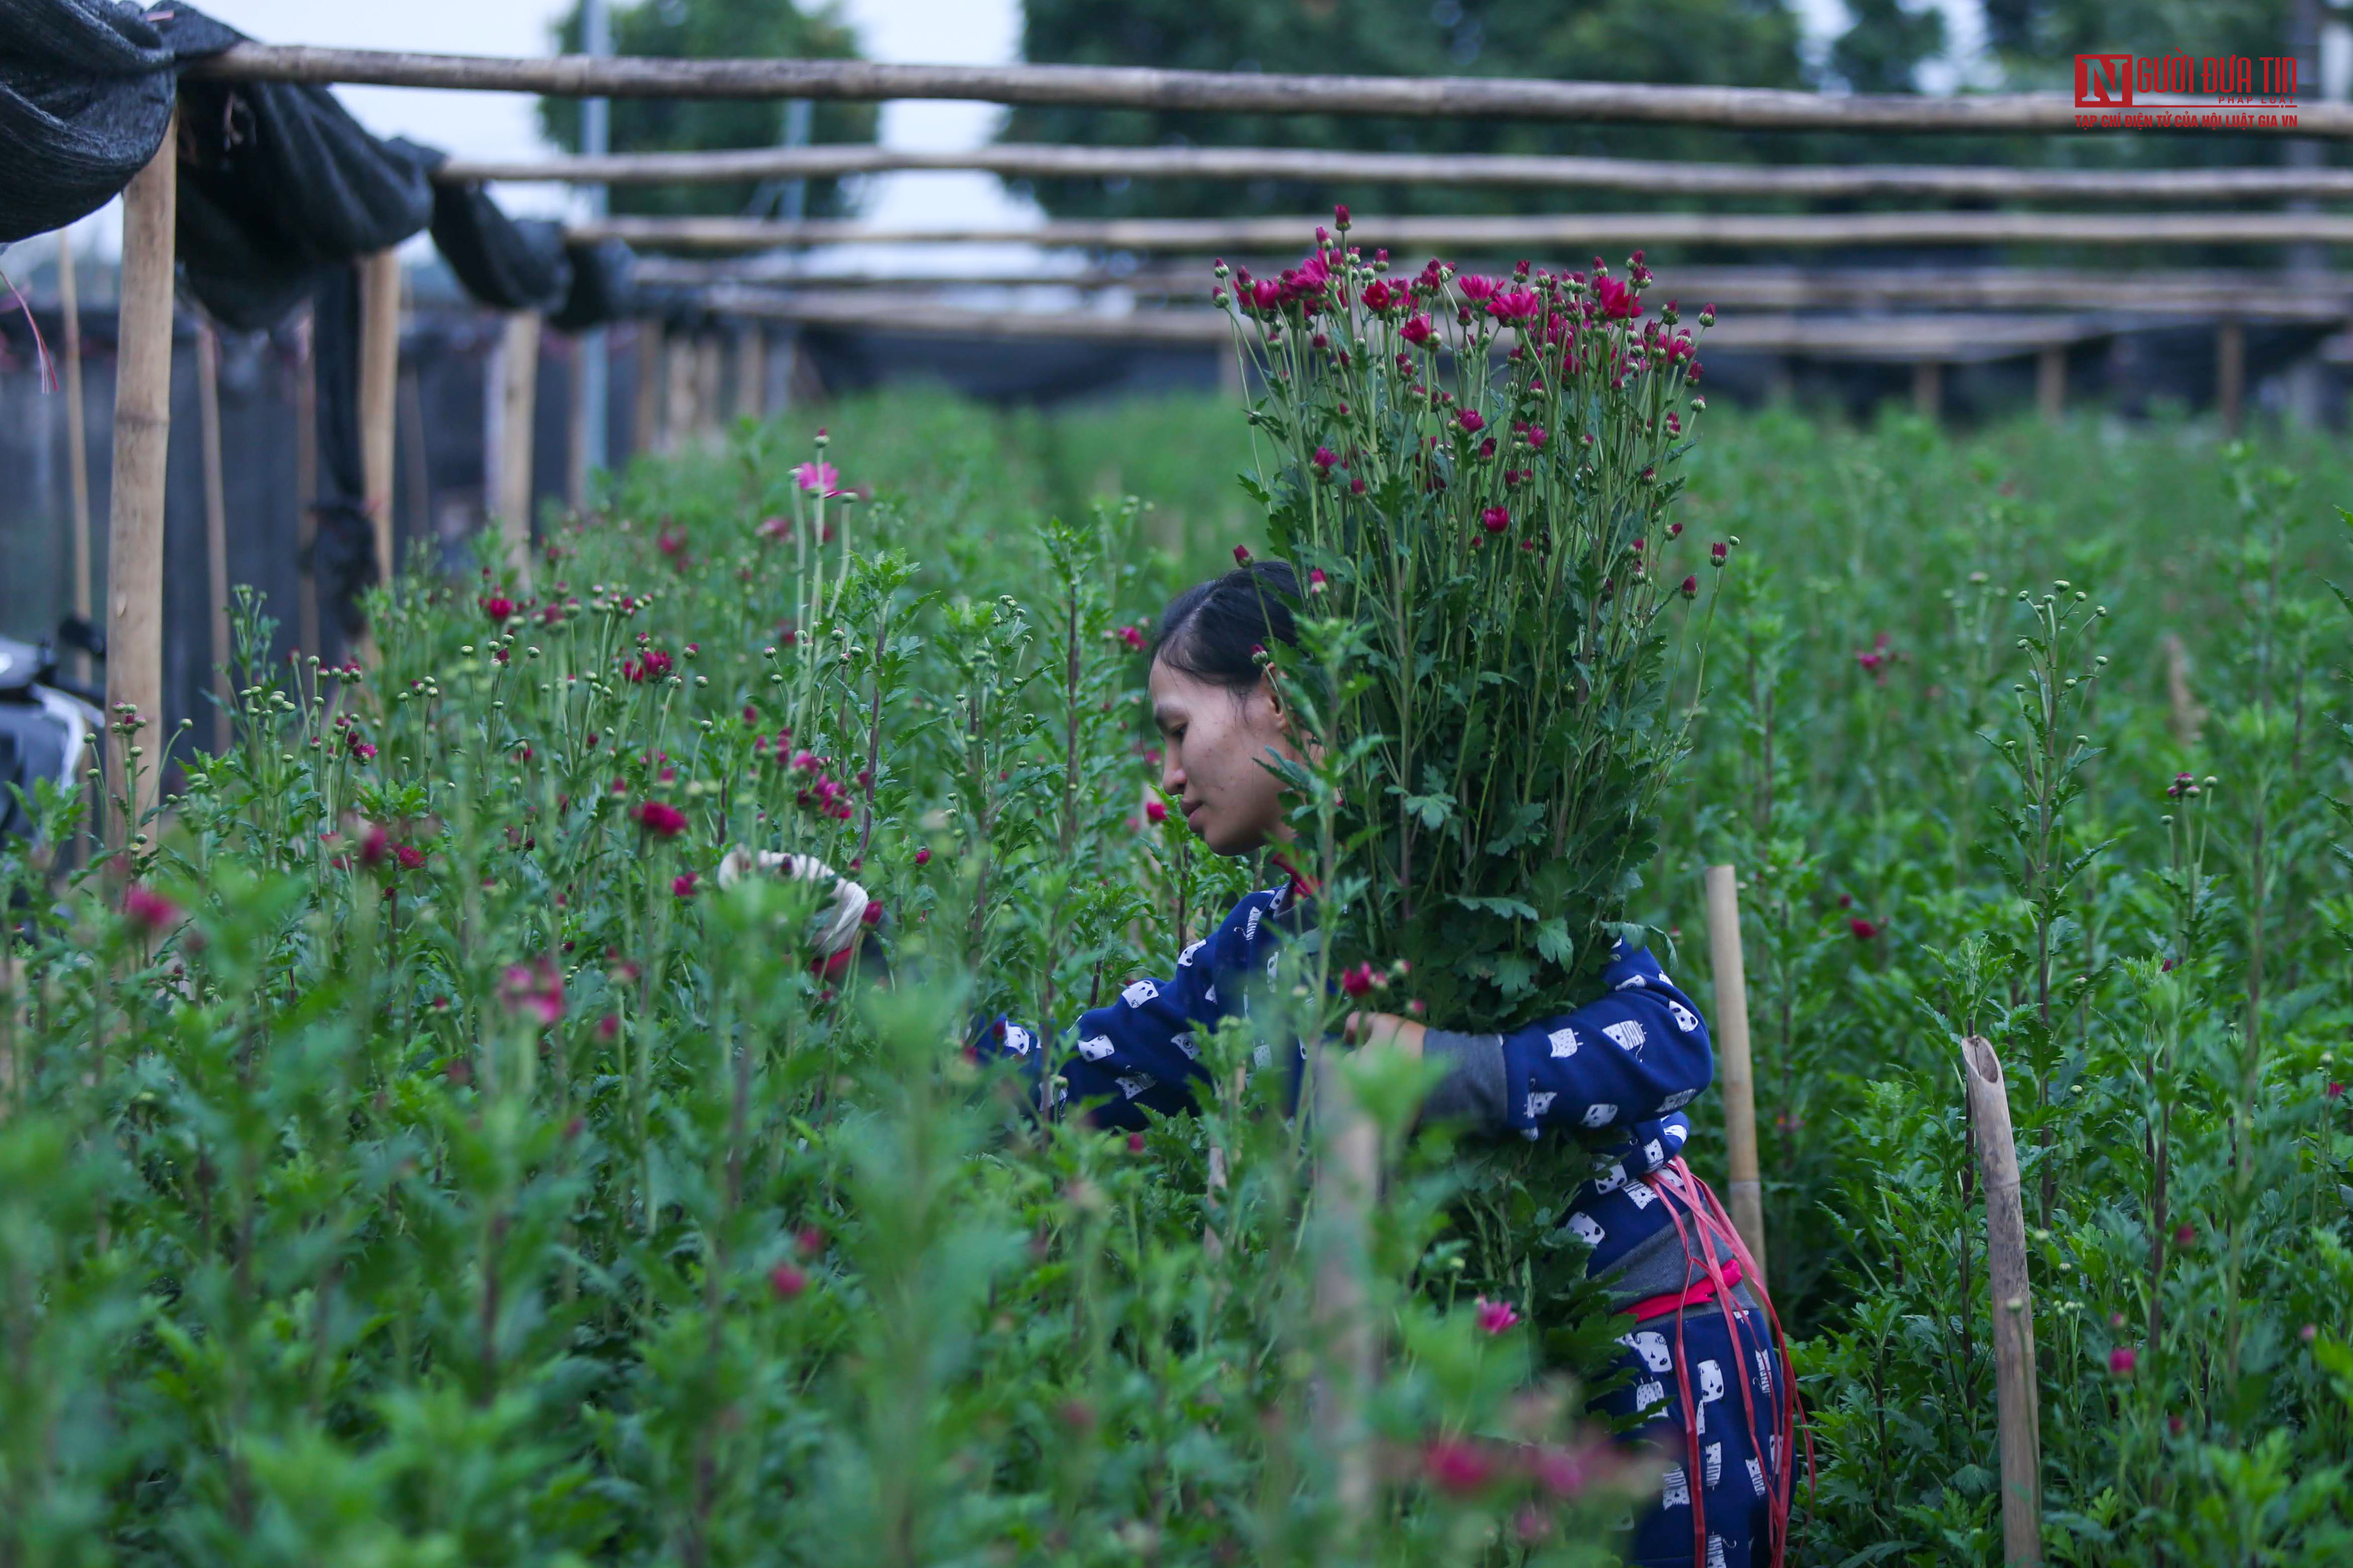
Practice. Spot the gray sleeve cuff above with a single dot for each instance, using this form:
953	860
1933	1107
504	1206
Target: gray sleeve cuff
1473	1090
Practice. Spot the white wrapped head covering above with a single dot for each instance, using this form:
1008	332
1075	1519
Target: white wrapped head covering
839	923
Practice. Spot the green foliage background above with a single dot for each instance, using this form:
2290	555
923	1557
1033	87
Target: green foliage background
309	1250
712	29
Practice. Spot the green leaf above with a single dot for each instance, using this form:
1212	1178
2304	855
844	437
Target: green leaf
1497	904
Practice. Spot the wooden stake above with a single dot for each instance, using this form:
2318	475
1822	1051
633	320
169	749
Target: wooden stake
1745	1189
2186	718
379	388
518	400
2231	375
710	365
417	469
306	479
750	372
645	421
575	446
77	425
208	434
2051	383
1927	389
679	418
142	437
1347	1182
2018	1414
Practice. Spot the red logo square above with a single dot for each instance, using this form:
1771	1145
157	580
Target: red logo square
2104	82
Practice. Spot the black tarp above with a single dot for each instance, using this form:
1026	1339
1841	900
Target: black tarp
280	192
85	95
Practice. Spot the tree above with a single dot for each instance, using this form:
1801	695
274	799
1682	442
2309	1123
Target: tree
1883	51
1749	42
712	29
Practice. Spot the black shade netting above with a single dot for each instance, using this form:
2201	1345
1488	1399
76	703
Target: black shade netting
603	287
85	96
506	264
343	552
278	183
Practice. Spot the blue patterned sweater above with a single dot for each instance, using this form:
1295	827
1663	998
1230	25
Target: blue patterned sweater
1616	1073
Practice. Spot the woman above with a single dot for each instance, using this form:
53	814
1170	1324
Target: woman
1616	1072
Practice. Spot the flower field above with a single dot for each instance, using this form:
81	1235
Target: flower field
451	1150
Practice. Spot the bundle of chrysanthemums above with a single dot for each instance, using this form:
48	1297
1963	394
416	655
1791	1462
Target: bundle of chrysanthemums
1472	476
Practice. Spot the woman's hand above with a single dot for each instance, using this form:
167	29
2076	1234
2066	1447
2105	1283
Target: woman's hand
1383	1031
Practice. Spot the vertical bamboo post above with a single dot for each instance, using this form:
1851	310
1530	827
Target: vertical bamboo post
646	422
417	469
1724	957
2019	1419
379	391
208	435
679	416
579	458
142	436
1928	389
77	425
2231	375
518	395
751	370
710	365
306	477
2051	383
1347	1181
2185	717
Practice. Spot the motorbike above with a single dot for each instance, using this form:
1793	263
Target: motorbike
47	722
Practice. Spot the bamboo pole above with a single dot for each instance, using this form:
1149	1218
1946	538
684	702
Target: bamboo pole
1927	389
1652	176
576	455
2185	716
2051	383
1348	1184
2231	375
416	466
1900	339
208	435
518	396
306	479
1230	93
645	421
2249	295
710	367
142	436
750	372
76	425
2018	1418
379	382
1574	232
680	419
1746	1188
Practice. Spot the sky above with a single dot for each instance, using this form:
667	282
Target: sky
946	32
505	125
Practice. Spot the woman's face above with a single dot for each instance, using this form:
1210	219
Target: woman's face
1214	760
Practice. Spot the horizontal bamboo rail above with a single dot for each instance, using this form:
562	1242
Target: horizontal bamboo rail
2241	295
1578	231
1654	177
1894	339
1220	92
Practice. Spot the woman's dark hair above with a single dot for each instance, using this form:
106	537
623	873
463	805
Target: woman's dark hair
1212	630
